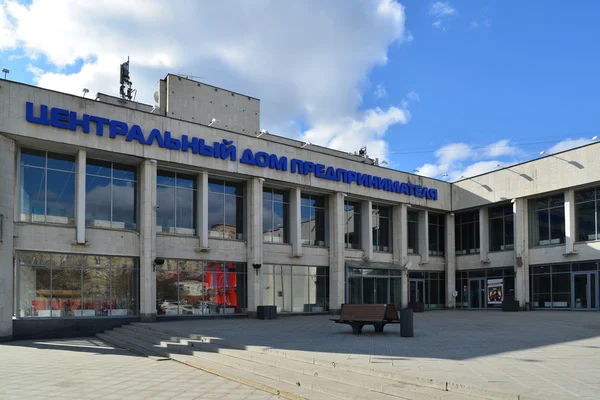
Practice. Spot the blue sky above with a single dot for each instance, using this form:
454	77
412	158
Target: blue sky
451	88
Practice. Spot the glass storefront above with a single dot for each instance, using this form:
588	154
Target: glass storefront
374	286
428	288
73	285
296	288
564	286
200	287
484	288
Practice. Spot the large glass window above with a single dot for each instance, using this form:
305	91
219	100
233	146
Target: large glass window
352	225
501	228
313	212
72	285
276	215
200	287
110	195
225	209
413	232
176	197
547	220
382	228
296	288
437	234
47	187
369	286
467	233
486	288
587	217
551	285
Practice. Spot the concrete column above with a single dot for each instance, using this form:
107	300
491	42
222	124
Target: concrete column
450	247
148	241
484	235
202	207
7	205
254	189
400	227
569	221
521	253
366	234
336	252
80	196
423	240
296	222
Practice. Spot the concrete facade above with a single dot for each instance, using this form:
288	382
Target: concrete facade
187	108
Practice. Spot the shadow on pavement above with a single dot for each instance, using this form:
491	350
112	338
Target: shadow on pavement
80	345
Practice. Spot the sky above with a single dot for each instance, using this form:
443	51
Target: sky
440	88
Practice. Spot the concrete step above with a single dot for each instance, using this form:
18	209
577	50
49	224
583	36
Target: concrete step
117	340
176	352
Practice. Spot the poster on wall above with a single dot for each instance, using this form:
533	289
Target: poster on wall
494	290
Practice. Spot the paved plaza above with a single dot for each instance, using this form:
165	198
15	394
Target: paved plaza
91	369
553	354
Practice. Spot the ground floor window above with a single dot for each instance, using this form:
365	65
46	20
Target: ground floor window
484	288
428	288
296	288
73	285
564	286
374	286
186	287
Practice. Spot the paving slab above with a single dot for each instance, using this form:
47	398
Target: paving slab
544	354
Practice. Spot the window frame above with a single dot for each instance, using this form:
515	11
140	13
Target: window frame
459	225
357	216
224	194
534	209
506	215
412	222
286	211
596	202
438	222
310	197
176	188
375	212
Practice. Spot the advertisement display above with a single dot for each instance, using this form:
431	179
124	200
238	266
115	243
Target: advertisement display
494	290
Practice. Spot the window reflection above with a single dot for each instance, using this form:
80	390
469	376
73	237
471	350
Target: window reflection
547	220
276	210
296	289
225	209
381	228
47	187
352	225
176	196
313	217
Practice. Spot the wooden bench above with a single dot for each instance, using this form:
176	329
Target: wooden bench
359	315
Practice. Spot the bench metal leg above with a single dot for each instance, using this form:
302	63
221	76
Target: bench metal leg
356	328
379	327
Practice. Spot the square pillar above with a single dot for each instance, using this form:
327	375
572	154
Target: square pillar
148	241
423	230
7	206
570	222
80	196
202	210
450	246
400	247
336	252
296	222
254	189
521	224
366	234
484	235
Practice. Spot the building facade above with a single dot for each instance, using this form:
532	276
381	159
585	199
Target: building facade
113	210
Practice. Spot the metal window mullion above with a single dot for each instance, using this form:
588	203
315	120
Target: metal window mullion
175	205
46	197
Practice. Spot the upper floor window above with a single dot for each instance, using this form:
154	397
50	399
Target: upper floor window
413	232
313	220
381	228
276	215
352	224
47	187
437	234
225	209
501	228
467	233
110	195
587	217
547	220
176	197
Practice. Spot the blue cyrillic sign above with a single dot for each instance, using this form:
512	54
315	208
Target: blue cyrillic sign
225	150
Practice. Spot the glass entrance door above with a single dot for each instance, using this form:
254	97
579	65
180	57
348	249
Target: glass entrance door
375	290
584	287
477	297
369	291
416	290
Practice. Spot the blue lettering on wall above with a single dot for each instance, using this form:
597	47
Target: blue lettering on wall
224	150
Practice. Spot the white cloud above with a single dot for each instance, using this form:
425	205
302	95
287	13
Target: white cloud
413	97
501	148
474	25
306	60
453	152
441	9
476	169
380	91
568	144
437	24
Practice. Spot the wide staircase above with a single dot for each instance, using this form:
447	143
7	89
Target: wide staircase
283	373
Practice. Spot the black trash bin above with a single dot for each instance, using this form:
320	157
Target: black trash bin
266	312
406	322
509	303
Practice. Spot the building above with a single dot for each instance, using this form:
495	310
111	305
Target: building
114	211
